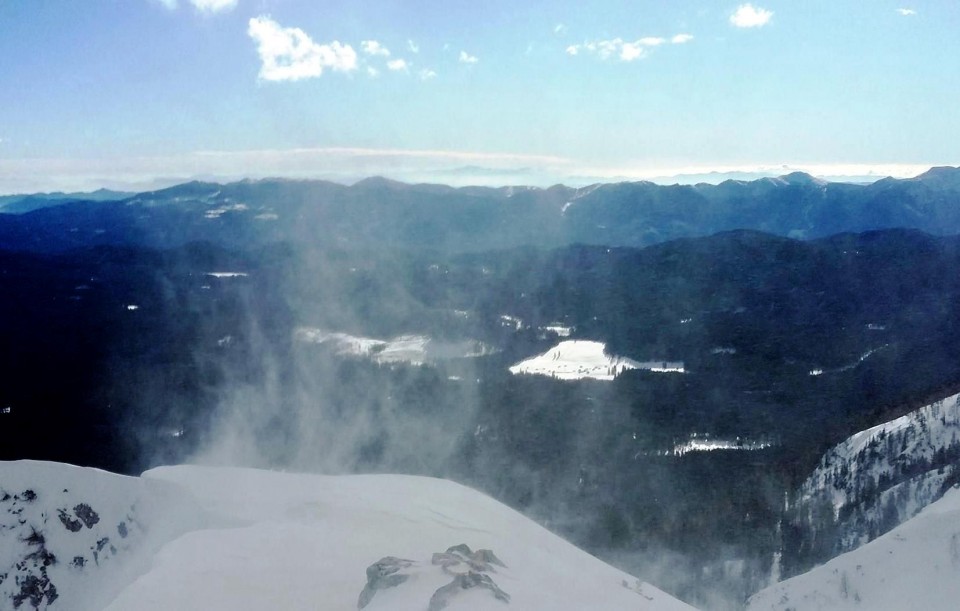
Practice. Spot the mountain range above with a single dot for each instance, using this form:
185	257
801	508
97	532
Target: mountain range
377	212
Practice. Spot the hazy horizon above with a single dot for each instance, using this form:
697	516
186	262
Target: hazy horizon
495	95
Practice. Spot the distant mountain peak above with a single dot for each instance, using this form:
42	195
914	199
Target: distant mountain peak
380	182
801	178
944	176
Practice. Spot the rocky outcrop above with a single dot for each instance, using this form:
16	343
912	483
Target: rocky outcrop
468	568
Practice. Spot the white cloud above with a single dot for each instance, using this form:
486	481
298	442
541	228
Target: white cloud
680	39
372	47
630	51
651	41
427	74
749	16
288	54
397	64
414	47
466	58
372	72
618	48
906	12
559	29
211	6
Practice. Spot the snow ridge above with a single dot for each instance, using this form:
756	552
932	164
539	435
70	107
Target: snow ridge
218	539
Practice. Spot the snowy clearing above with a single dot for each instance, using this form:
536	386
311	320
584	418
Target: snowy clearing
579	359
227	274
705	443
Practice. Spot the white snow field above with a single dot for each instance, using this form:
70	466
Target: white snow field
578	359
217	539
914	566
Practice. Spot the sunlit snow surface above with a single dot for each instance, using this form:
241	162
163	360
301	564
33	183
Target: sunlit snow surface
227	274
702	443
243	539
578	359
914	566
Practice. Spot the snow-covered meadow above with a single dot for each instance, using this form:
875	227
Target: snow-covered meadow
579	359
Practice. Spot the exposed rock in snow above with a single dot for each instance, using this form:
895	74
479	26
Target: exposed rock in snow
467	568
578	359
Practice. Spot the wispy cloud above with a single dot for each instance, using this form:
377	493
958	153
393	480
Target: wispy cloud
559	29
749	16
372	47
204	6
289	54
398	65
906	12
466	58
372	72
413	47
426	74
624	50
213	6
631	51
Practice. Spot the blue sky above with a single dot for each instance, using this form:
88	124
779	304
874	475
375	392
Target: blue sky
137	91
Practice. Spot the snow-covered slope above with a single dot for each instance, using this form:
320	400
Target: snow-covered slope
578	359
246	539
882	476
914	566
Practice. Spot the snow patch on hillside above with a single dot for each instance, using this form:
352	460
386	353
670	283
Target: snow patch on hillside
557	329
579	359
706	443
227	274
412	349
